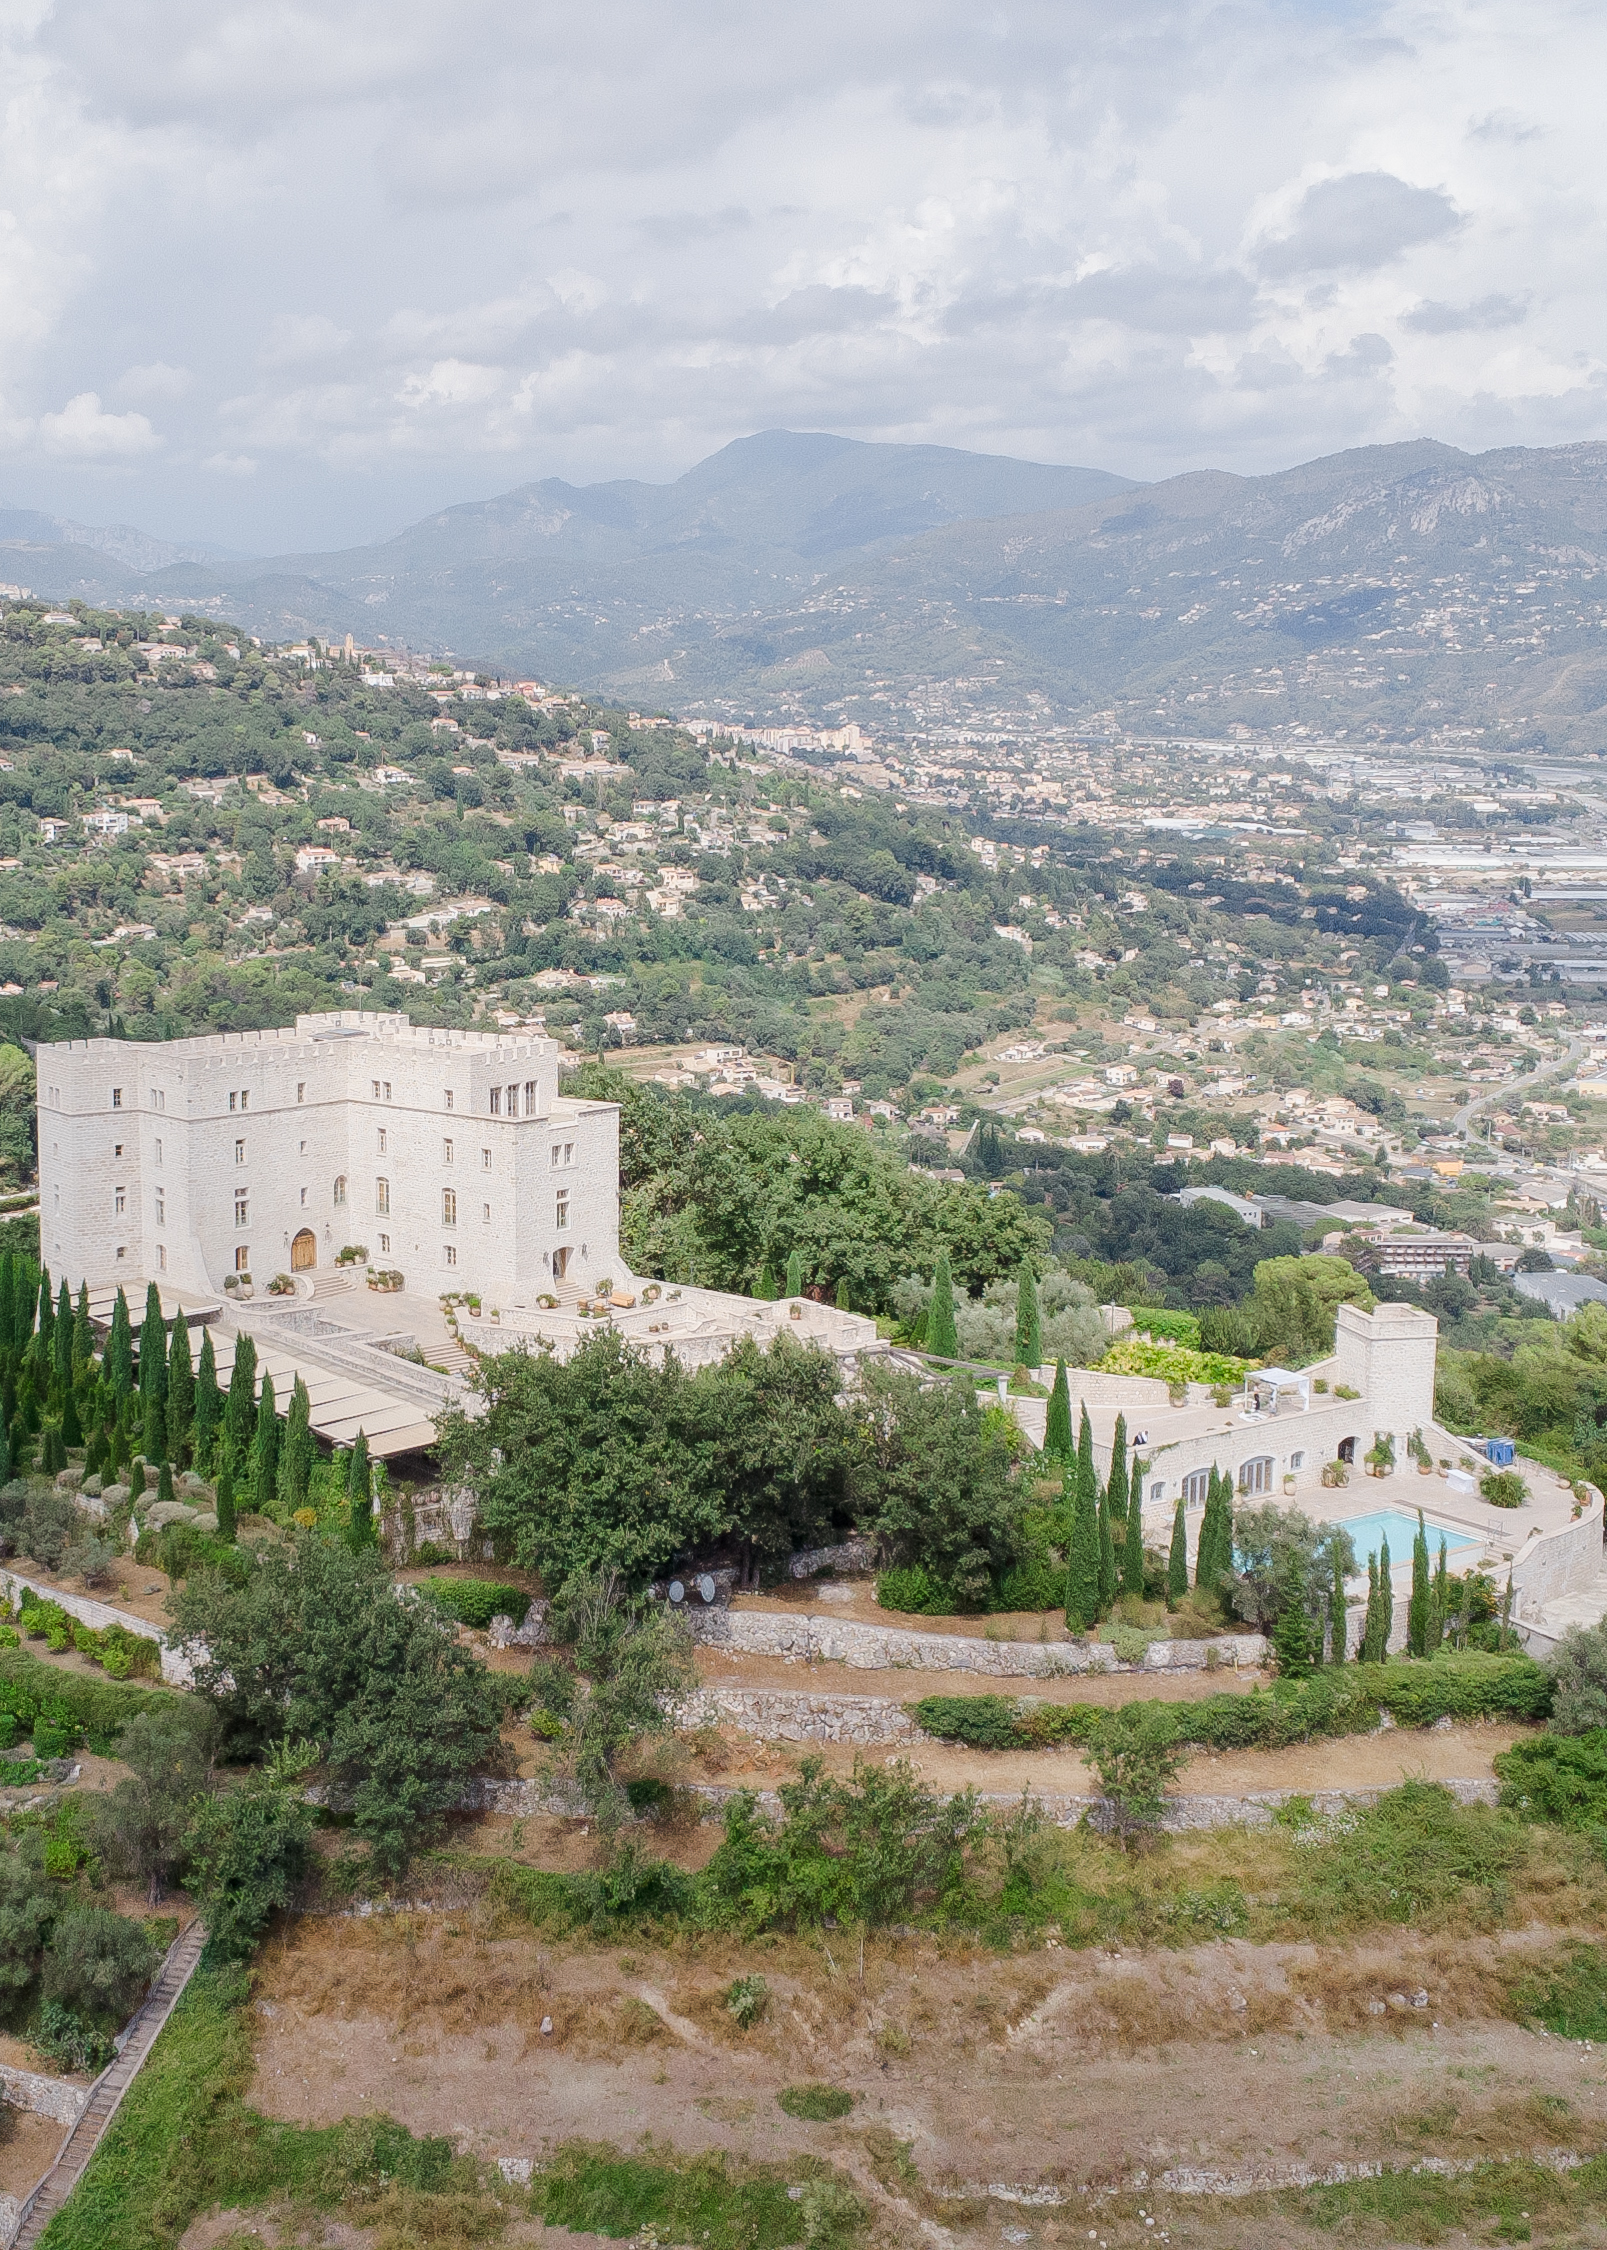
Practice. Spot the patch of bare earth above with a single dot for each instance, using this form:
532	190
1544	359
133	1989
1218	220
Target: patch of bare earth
1077	2072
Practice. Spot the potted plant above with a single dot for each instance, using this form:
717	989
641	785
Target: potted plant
474	1308
1288	1483
281	1286
385	1279
1380	1455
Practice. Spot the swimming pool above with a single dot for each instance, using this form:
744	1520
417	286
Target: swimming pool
1370	1531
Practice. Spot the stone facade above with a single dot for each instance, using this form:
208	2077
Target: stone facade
449	1155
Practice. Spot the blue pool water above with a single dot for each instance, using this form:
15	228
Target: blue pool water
1368	1532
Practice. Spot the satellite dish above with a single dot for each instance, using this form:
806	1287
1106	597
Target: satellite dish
677	1591
705	1587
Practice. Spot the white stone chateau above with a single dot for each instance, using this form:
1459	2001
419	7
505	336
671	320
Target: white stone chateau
448	1155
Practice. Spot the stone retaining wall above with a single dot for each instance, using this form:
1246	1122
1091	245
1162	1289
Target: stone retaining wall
521	1799
814	1639
788	1715
56	2098
176	1670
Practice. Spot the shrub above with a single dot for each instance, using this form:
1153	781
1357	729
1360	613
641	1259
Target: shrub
98	1964
1035	1583
1578	1669
65	2039
747	2000
1172	1363
475	1601
91	1558
1561	1778
1136	1755
49	1526
1167	1327
816	2105
92	1708
1503	1488
1569	1996
914	1592
648	1798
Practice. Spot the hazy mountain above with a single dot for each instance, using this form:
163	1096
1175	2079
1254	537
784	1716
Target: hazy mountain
118	544
1394	590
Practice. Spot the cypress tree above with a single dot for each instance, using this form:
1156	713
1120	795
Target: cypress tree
1439	1607
795	1273
1292	1634
1029	1326
225	1503
265	1452
83	1334
1126	1501
1417	1607
769	1288
845	1296
52	1450
1214	1557
45	1319
1336	1613
72	1427
136	1480
1057	1423
942	1340
61	1341
296	1450
208	1402
119	1360
5	1456
153	1353
153	1425
1386	1602
164	1483
240	1410
1082	1567
180	1393
1177	1561
360	1492
8	1301
1108	1579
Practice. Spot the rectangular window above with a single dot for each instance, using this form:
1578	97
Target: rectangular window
513	1101
382	1196
561	1210
485	1160
242	1258
530	1097
119	1202
245	1097
122	1249
557	1157
234	1101
449	1097
241	1207
385	1244
1195	1488
340	1191
446	1152
569	1152
158	1152
239	1152
449	1207
304	1199
1296	1461
161	1208
117	1097
161	1257
376	1089
485	1213
450	1254
117	1148
384	1140
301	1090
496	1101
387	1089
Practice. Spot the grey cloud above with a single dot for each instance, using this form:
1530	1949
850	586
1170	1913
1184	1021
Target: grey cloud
818	311
1363	355
1358	223
1431	318
678	227
1178	304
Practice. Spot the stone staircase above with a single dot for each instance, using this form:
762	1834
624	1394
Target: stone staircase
106	2095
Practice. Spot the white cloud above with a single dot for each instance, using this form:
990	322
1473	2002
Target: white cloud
230	464
604	242
84	431
158	381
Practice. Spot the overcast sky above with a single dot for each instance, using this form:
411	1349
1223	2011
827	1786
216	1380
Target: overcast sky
289	275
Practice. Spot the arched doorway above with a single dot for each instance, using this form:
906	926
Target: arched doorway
303	1251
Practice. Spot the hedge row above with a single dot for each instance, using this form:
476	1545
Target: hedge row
90	1709
1346	1700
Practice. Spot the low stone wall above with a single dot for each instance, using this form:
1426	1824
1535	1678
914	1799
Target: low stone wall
522	1799
855	1558
874	1648
55	2098
789	1715
176	1670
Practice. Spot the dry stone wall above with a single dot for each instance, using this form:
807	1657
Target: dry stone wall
811	1639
